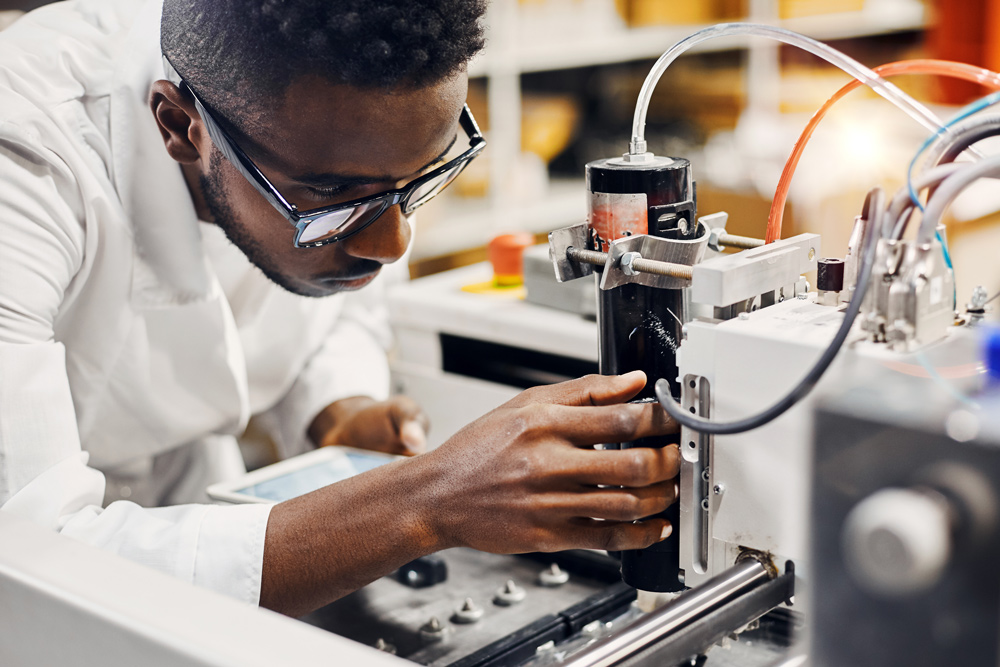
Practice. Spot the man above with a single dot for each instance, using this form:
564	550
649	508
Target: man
301	134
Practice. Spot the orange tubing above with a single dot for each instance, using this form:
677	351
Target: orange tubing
939	67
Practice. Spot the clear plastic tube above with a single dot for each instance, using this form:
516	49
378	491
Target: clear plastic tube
949	68
917	111
949	189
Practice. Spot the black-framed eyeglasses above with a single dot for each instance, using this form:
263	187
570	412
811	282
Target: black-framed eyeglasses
329	224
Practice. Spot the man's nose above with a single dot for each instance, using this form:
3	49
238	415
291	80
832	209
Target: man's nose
384	241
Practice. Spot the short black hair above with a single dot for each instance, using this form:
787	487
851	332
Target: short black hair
240	54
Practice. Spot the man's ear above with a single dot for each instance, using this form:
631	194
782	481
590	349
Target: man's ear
178	121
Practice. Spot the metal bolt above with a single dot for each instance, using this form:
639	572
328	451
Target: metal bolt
433	630
469	612
719	489
741	242
509	594
383	645
667	269
553	576
639	264
627	260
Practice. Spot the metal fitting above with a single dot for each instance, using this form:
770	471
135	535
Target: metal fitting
979	298
434	630
713	238
719	239
761	557
627	260
468	612
553	576
509	594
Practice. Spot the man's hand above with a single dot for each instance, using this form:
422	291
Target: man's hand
396	426
525	476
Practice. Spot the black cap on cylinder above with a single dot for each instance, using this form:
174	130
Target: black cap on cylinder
830	275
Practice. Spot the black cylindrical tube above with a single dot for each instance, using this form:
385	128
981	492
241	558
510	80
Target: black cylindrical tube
830	274
640	326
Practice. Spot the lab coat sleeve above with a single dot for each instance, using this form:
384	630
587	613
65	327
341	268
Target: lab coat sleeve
351	362
43	472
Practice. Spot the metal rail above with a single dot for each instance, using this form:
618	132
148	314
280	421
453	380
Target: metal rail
686	608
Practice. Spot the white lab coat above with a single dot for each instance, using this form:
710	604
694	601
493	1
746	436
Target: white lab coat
127	328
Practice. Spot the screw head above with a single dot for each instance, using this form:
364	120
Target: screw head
467	612
434	630
719	489
553	576
509	594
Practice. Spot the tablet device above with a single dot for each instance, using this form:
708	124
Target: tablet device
298	475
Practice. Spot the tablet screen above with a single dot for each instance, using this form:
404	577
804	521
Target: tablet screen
316	476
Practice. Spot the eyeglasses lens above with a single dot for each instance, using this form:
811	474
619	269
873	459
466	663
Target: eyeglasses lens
341	222
426	191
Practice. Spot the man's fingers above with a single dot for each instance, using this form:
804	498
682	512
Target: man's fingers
626	504
410	422
620	535
588	390
633	468
585	426
413	437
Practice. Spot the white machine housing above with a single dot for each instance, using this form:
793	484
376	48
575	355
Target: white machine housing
751	490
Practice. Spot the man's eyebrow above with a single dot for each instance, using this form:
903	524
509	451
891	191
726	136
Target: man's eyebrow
330	180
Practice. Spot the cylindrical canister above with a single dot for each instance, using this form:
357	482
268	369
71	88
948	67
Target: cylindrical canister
640	326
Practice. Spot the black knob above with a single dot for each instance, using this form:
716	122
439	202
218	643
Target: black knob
830	275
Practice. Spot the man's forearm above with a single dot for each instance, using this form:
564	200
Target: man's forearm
326	544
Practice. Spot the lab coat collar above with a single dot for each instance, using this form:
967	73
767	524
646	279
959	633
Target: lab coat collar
170	267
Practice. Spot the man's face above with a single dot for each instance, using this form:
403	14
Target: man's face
322	144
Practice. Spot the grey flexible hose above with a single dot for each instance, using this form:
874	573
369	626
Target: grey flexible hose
874	213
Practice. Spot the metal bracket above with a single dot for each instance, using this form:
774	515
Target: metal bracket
728	279
561	240
687	252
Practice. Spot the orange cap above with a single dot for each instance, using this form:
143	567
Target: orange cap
506	253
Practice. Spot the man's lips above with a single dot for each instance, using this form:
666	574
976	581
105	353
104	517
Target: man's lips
356	281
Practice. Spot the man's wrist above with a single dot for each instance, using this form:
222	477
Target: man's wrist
427	486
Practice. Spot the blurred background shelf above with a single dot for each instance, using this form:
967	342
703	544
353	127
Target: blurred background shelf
557	83
589	42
